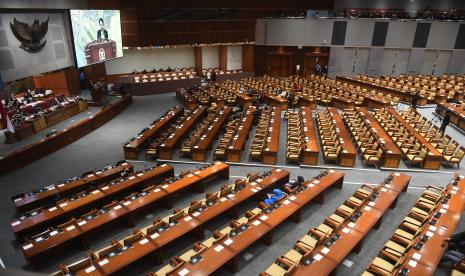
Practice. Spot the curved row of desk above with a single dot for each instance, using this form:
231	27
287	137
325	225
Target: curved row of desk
33	152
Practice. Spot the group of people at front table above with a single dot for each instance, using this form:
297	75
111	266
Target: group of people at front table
161	70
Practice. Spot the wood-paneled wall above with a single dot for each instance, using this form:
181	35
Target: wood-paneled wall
139	30
266	58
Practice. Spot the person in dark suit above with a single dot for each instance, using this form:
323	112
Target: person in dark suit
445	121
415	98
102	33
213	76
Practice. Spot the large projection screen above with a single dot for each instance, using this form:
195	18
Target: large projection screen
97	35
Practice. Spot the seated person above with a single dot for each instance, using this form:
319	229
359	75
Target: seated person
452	256
273	197
456	241
293	183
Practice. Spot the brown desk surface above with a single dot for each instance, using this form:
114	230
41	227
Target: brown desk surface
453	108
272	144
277	98
432	150
25	201
321	265
243	130
103	191
317	186
344	137
138	250
351	233
311	143
378	130
217	167
122	209
217	255
427	258
155	128
171	142
213	129
259	226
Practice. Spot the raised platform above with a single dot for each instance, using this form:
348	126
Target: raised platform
37	150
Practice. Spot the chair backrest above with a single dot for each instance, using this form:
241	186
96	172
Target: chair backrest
460	153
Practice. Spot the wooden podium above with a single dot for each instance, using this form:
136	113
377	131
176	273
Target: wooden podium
98	51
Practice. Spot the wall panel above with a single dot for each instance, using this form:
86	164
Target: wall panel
210	57
362	60
375	61
442	62
234	58
442	35
456	63
335	61
359	32
56	54
348	62
428	62
415	61
387	63
400	34
401	62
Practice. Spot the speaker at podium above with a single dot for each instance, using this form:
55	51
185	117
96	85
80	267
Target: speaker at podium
98	51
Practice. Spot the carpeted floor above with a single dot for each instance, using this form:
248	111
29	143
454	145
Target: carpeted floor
104	146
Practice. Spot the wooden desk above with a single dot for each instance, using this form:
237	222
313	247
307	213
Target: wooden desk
276	101
130	149
244	100
166	149
306	101
403	95
36	250
457	117
433	158
96	197
35	151
425	260
227	249
217	169
342	102
351	234
199	151
392	154
186	98
224	204
27	201
270	153
348	152
158	87
233	152
311	149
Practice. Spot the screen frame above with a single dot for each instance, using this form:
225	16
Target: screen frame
74	44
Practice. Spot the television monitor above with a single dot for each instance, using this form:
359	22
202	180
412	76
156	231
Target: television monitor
97	35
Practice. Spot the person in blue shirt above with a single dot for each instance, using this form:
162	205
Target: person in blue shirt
275	196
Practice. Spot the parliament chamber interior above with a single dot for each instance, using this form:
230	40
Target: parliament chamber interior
238	137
